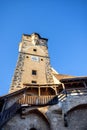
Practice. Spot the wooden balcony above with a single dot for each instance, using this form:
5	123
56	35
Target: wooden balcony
39	100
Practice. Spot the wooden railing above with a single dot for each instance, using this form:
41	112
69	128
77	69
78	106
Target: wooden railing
39	100
77	91
72	91
8	113
30	100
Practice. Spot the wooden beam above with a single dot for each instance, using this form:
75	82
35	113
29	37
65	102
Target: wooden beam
85	84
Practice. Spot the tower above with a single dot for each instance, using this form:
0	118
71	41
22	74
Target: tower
33	65
40	98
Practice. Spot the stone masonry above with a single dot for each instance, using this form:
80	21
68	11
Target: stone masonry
33	67
33	54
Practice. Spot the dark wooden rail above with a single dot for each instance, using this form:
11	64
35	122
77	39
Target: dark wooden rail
7	114
72	91
77	91
39	100
62	95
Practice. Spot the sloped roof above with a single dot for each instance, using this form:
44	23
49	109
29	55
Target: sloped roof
60	76
63	76
74	79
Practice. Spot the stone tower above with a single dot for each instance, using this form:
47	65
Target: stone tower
33	65
45	99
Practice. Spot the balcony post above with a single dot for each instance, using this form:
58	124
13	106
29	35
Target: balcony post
39	91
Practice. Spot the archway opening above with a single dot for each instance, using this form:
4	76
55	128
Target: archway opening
33	129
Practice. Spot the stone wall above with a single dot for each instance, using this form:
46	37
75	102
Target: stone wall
32	120
77	119
16	80
32	56
48	118
73	101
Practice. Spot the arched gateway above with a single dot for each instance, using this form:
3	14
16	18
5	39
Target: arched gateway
34	120
33	129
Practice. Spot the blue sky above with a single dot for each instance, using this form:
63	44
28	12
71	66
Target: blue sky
63	22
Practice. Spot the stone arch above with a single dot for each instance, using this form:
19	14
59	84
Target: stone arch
81	106
34	120
74	101
76	117
32	129
40	117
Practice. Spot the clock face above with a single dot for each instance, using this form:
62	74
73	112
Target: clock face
35	58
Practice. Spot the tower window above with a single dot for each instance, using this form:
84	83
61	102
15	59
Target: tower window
34	82
34	49
34	72
27	57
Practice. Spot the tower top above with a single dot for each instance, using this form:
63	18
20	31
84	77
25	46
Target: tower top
34	39
34	35
33	65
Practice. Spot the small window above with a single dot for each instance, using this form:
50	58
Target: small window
34	72
34	49
27	57
34	82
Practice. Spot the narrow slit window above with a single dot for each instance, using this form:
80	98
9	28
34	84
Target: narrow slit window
34	82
